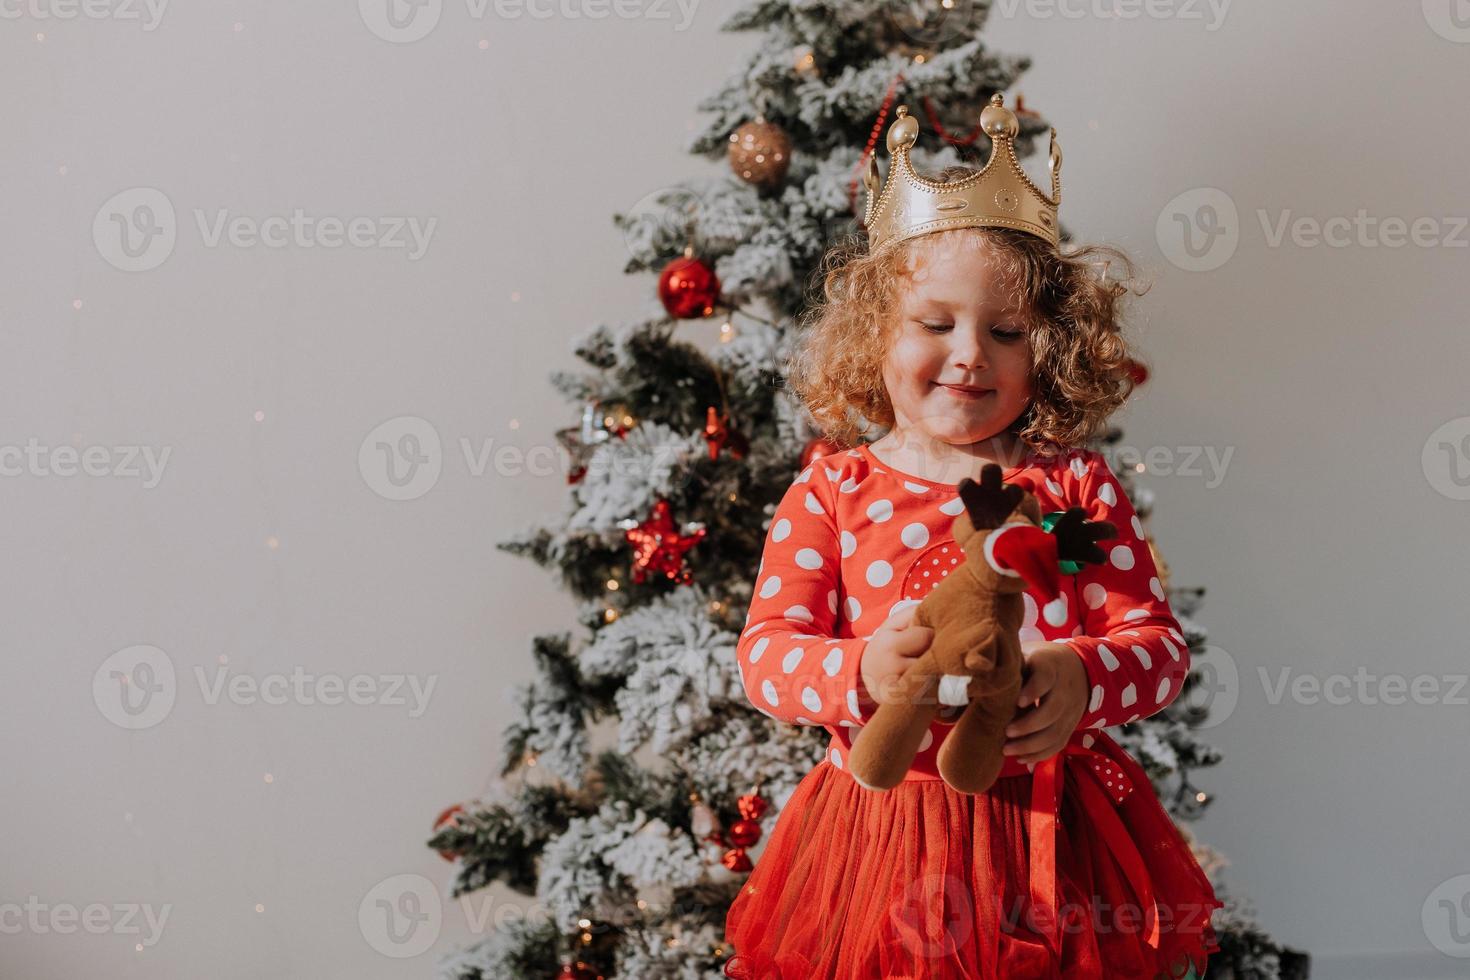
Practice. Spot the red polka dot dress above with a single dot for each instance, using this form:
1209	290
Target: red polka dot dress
1070	868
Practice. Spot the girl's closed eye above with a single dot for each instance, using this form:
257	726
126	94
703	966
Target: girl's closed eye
999	333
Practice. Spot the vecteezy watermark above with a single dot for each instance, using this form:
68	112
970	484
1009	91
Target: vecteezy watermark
137	229
401	916
1450	19
1216	688
406	21
137	687
1445	916
1207	462
1364	687
1446	459
403	458
147	13
145	463
1211	13
143	920
1200	229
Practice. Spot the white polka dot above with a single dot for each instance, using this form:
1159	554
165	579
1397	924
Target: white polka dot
809	559
806	475
1028	606
759	648
1056	491
832	662
849	544
813	504
1143	657
853	608
915	535
1055	612
1122	557
1110	661
1174	653
1157	588
1030	634
1094	595
926	741
1087	741
768	691
1097	698
810	700
953	508
800	613
792	660
880	511
900	606
1133	615
1163	692
852	705
1138	527
1107	494
1079	468
832	601
803	720
912	487
879	574
837	758
770	586
832	475
781	530
1129	696
849	485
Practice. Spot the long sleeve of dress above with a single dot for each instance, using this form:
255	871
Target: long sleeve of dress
1135	654
793	664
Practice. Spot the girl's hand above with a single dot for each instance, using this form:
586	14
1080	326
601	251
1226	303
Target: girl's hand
891	651
1056	677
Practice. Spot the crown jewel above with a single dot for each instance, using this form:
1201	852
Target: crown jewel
999	196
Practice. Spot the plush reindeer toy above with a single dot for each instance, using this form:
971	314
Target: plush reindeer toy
975	660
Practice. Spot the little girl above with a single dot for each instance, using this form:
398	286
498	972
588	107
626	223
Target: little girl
972	340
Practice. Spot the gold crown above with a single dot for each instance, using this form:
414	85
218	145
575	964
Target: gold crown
999	196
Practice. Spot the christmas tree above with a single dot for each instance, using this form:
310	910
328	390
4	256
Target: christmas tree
637	784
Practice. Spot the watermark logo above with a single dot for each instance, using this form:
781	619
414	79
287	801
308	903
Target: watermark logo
401	21
401	916
406	21
1450	19
1209	12
1446	917
1216	689
143	921
145	463
402	458
148	13
1446	459
135	688
1199	230
931	25
135	230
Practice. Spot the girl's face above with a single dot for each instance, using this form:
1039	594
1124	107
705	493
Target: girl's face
956	327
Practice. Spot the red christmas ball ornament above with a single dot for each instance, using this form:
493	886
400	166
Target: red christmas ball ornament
817	447
736	860
1138	372
752	806
576	971
744	833
688	288
449	818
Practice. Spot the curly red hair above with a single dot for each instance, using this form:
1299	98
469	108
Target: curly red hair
1081	366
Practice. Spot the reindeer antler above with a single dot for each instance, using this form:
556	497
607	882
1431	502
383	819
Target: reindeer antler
1077	537
989	502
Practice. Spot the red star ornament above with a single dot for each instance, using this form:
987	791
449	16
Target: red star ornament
658	547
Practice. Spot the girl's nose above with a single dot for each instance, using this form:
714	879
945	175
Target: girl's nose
968	353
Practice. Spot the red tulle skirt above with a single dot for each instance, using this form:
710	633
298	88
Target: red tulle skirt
923	881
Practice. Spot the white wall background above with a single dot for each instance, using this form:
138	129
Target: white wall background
1333	544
